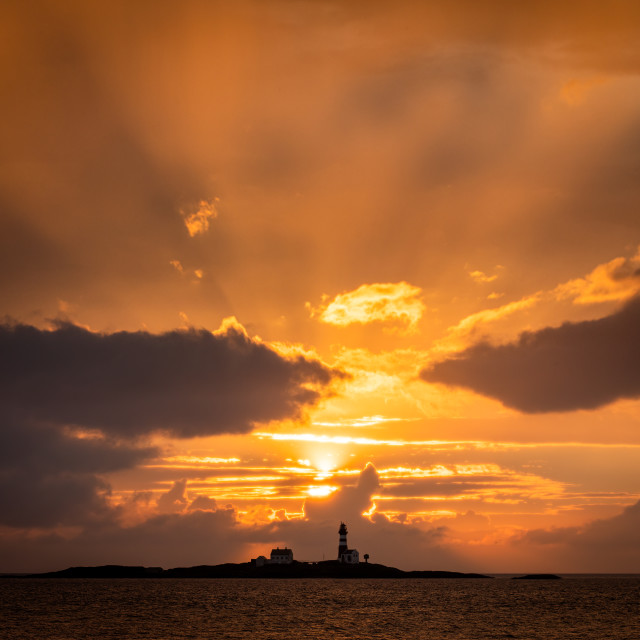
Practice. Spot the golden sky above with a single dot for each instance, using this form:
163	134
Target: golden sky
267	266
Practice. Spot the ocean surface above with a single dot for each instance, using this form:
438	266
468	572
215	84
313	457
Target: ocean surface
162	609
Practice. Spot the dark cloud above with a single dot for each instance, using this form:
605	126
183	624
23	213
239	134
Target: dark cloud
197	537
606	545
621	530
203	503
35	500
73	405
581	365
187	383
175	499
49	477
32	448
447	486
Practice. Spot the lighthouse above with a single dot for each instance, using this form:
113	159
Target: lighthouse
343	548
346	555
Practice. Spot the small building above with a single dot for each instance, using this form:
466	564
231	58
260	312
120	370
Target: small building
281	556
351	556
346	555
260	561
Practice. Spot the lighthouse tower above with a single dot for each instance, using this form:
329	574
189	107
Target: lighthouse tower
346	555
343	548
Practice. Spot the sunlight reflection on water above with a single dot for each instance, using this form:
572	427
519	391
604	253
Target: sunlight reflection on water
277	609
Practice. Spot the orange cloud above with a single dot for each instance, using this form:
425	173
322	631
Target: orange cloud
197	222
482	277
177	265
613	281
469	323
582	365
357	423
388	303
468	329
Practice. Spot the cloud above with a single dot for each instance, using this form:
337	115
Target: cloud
610	544
198	221
175	499
50	477
73	405
177	265
464	521
473	325
348	503
186	383
481	277
215	535
203	503
581	365
169	540
614	281
390	303
390	543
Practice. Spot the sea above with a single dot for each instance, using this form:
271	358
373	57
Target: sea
583	607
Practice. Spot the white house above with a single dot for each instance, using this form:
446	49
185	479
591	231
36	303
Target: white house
281	556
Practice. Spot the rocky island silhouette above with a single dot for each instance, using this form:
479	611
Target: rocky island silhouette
281	564
295	569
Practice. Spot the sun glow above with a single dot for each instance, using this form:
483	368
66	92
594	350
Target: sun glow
404	472
312	437
324	462
321	491
365	421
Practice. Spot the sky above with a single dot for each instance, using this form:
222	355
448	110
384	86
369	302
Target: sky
267	266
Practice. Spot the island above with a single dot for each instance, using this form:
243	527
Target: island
324	569
280	564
